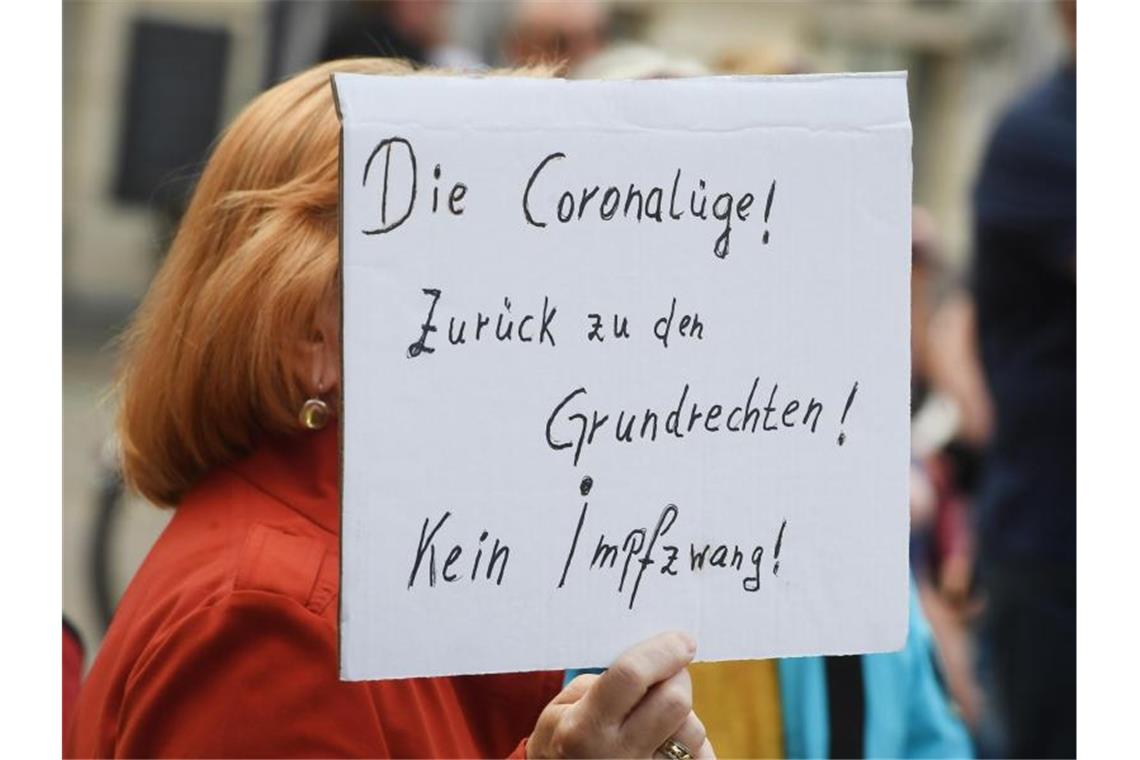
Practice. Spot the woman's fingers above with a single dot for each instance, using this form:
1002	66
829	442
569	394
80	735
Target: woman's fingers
692	735
622	687
576	689
662	714
706	751
630	710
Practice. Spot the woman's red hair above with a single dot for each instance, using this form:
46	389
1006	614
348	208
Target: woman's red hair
205	366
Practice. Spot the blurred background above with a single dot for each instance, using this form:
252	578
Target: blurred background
148	85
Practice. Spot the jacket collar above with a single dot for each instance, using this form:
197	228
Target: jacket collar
301	471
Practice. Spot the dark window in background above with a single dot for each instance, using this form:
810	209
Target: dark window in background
173	108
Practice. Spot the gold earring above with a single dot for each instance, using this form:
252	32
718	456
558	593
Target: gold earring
314	414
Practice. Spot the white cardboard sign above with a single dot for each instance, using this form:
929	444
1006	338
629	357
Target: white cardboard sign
622	357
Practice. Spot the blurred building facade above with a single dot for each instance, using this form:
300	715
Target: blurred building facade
965	60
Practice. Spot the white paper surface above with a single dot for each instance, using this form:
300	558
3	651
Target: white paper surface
466	430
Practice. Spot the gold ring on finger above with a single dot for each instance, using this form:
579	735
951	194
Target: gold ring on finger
674	750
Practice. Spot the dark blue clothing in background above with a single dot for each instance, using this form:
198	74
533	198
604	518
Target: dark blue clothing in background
1025	291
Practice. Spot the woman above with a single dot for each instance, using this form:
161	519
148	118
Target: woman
225	643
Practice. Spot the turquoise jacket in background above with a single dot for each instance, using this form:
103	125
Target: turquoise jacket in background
907	712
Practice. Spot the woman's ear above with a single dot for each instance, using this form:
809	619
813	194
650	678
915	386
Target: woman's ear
320	354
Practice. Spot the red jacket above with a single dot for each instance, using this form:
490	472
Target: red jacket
225	643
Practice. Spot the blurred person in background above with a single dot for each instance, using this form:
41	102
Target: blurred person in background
225	643
414	30
559	32
949	423
1025	289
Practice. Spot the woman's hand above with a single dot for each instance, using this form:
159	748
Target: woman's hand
630	710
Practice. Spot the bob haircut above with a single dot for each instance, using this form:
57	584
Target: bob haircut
208	362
